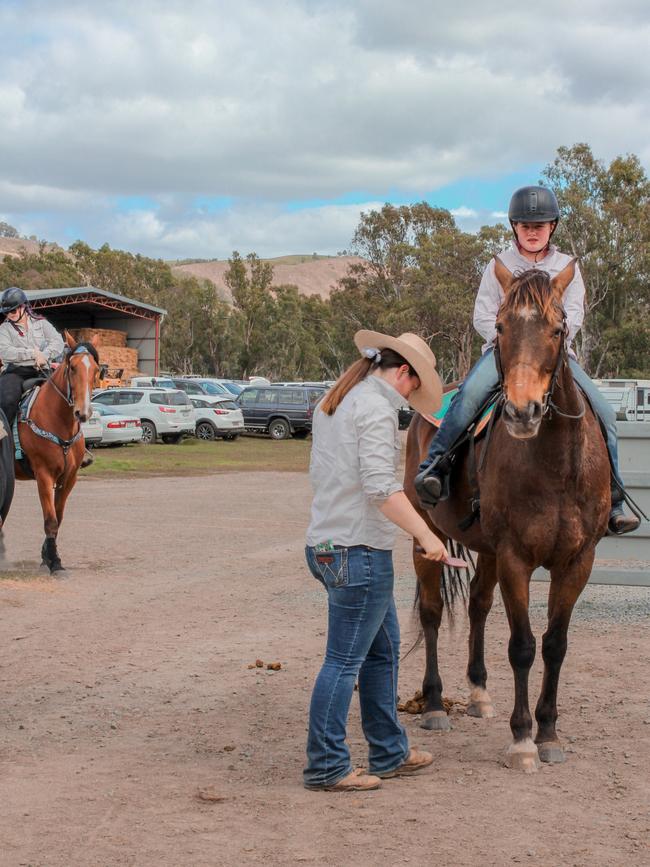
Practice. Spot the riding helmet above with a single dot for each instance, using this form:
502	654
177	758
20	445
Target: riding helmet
533	205
12	298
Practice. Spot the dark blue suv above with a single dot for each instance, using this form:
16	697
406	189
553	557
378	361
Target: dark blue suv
280	410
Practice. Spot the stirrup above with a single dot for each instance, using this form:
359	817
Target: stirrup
429	486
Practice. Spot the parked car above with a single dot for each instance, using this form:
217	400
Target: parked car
280	410
201	386
151	382
229	384
163	413
217	417
117	429
92	430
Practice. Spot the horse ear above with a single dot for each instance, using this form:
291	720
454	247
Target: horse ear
503	275
95	340
69	339
562	280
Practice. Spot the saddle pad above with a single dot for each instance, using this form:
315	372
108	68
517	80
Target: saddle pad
437	418
24	408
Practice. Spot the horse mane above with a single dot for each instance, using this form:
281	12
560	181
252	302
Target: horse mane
531	288
86	344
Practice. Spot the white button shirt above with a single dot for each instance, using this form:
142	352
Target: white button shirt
490	294
355	459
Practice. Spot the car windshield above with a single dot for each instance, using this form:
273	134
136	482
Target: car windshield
233	388
225	404
213	388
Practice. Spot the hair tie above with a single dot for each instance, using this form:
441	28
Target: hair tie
372	354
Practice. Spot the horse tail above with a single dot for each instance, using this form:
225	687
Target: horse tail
454	582
454	585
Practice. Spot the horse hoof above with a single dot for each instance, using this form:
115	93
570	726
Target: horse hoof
44	569
479	704
59	572
481	709
435	721
551	752
522	756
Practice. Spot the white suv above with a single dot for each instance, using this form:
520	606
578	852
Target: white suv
164	413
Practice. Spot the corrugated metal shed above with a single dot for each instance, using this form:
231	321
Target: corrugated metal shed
90	307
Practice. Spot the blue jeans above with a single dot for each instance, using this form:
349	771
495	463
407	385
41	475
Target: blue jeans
362	642
483	380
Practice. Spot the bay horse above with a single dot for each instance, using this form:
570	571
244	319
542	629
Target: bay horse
544	501
52	440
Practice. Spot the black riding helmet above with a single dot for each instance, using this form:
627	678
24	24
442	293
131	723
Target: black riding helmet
13	298
533	205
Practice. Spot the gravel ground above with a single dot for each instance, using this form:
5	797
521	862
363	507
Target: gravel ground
127	700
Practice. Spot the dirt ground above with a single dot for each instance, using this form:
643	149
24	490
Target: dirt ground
125	691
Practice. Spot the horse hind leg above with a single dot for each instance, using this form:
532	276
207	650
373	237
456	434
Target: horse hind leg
434	715
481	595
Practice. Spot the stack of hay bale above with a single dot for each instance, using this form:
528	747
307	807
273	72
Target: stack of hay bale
112	348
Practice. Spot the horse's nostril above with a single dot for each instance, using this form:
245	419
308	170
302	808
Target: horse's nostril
534	410
510	410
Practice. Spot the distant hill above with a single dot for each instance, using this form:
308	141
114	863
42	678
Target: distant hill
312	276
14	246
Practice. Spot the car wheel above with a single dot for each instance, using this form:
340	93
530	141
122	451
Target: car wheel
171	439
205	431
279	429
149	434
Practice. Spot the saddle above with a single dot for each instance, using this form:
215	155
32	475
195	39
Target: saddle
479	424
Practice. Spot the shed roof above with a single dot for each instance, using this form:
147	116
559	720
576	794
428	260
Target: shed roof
85	293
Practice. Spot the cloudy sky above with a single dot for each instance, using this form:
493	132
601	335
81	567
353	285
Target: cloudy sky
189	128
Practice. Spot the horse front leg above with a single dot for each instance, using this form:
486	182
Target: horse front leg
481	596
49	553
434	715
566	587
514	579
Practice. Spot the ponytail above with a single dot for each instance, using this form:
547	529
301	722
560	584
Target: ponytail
357	372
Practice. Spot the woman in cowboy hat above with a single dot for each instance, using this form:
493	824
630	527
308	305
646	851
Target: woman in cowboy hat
358	504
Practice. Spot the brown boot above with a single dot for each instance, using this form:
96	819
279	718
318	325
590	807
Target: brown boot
415	761
356	781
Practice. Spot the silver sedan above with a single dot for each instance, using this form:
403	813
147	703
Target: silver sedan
117	429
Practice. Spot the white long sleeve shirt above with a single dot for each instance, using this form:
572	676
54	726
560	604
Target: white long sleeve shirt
490	294
20	350
354	467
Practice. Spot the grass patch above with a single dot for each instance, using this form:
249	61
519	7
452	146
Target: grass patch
195	458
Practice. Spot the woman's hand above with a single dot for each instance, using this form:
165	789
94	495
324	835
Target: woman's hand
39	359
432	547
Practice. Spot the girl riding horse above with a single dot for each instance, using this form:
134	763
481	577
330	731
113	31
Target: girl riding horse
534	214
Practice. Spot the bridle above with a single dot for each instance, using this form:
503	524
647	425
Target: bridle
67	352
548	405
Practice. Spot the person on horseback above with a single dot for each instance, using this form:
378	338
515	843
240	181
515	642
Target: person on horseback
29	349
534	214
29	345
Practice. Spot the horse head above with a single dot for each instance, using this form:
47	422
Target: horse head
530	345
82	374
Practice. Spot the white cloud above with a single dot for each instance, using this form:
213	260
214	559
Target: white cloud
464	212
301	100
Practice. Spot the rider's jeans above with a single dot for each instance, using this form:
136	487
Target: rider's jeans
11	388
483	379
362	643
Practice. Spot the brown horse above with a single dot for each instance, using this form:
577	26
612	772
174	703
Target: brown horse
544	501
52	440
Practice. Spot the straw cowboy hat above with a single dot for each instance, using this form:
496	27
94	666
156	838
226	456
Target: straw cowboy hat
427	398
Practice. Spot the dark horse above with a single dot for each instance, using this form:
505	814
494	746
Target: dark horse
52	441
544	501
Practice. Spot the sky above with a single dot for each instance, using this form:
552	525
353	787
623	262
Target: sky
192	128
